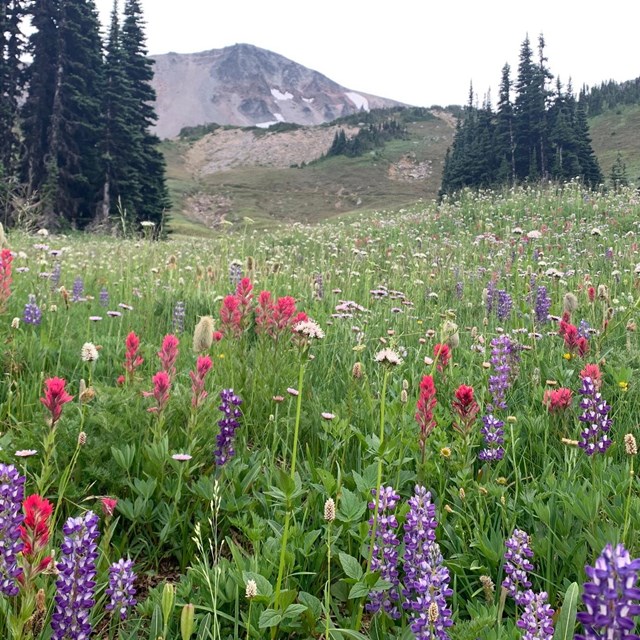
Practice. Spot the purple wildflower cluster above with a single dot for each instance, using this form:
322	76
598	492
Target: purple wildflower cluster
121	589
11	517
235	274
76	579
228	425
504	356
542	305
517	564
611	598
78	290
385	554
595	435
490	297
504	306
426	579
55	275
493	434
537	617
104	297
178	317
32	313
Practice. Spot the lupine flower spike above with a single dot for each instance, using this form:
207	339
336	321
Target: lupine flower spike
228	424
75	585
121	589
11	519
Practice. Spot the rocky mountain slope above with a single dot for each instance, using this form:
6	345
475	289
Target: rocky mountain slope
244	85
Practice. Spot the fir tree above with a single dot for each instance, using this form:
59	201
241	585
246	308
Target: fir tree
143	156
505	143
619	177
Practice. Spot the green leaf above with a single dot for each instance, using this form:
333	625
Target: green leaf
349	633
293	611
350	566
567	620
313	604
155	629
359	590
351	508
269	618
203	628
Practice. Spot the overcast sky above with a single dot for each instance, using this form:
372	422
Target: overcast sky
421	52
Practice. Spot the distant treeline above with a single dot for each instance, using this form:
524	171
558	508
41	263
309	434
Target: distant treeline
538	131
609	95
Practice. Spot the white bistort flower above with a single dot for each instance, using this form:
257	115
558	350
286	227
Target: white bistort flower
89	352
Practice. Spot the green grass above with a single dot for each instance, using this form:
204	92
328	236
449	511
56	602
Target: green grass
618	130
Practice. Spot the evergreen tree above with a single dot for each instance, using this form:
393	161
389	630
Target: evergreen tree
589	167
505	143
11	48
142	155
619	176
64	130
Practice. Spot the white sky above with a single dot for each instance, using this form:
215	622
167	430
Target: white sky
416	51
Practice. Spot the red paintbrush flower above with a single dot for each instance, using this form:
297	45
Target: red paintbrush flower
55	397
466	407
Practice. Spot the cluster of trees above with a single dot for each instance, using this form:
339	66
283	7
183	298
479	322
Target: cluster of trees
609	95
369	137
75	115
535	133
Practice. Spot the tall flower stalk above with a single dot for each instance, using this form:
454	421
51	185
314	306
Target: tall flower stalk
11	519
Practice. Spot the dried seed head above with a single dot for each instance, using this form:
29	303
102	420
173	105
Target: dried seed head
461	493
404	397
329	510
203	335
487	587
357	371
82	439
569	303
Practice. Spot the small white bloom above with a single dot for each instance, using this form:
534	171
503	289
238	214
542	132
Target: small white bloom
89	353
309	328
388	356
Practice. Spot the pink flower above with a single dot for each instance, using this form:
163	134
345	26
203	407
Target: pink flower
442	355
466	407
231	316
424	414
131	359
557	400
55	397
161	388
35	532
108	505
203	366
6	257
592	371
168	354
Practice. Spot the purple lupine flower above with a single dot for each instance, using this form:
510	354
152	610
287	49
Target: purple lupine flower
75	584
235	274
11	517
504	306
78	289
611	597
542	305
178	317
426	579
493	433
228	425
584	329
459	290
537	617
32	313
55	274
491	295
385	555
517	565
121	589
104	297
595	435
501	350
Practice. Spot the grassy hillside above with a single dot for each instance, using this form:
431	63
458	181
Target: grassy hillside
399	174
618	130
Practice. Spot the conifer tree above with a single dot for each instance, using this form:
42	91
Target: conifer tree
618	175
11	48
505	143
143	156
63	120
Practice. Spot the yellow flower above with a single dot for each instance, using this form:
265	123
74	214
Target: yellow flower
567	356
624	386
221	355
445	452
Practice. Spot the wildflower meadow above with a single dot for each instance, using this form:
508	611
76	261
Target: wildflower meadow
403	424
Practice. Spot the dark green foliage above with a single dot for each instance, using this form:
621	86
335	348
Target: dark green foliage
192	134
369	137
540	135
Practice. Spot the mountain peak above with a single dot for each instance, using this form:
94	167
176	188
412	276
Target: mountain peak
245	85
